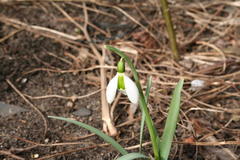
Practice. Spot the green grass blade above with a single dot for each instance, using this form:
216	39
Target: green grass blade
142	102
171	123
131	156
105	137
158	143
141	131
149	84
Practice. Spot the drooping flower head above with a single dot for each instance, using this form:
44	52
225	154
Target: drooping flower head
122	83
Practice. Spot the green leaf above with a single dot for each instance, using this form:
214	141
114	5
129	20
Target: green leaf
131	156
141	131
158	144
149	84
105	137
171	123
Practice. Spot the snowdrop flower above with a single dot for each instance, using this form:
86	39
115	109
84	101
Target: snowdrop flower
122	83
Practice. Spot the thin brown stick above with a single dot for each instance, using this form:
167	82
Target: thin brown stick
71	151
138	23
93	10
9	154
127	69
73	98
218	50
114	105
10	35
31	105
222	143
60	37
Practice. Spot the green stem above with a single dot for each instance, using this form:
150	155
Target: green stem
170	30
142	102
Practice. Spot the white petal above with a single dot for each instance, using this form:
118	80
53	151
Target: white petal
112	89
131	90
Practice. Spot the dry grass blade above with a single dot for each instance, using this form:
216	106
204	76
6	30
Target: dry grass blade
38	29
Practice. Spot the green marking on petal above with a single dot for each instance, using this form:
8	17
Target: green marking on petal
121	85
121	66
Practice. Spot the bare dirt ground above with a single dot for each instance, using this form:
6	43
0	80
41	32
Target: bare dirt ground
48	67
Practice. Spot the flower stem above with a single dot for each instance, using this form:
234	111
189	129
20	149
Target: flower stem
170	30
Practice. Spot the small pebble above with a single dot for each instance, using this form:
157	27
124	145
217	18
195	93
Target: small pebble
69	104
7	109
197	84
88	106
83	112
24	80
66	85
90	119
63	91
46	140
35	155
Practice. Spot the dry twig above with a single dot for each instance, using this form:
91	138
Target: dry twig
31	105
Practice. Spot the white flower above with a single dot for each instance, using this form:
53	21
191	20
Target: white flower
124	84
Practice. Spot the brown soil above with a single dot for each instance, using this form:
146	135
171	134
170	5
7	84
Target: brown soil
42	70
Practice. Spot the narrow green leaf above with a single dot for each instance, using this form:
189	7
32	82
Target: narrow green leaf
158	144
171	123
141	131
149	84
131	156
105	137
